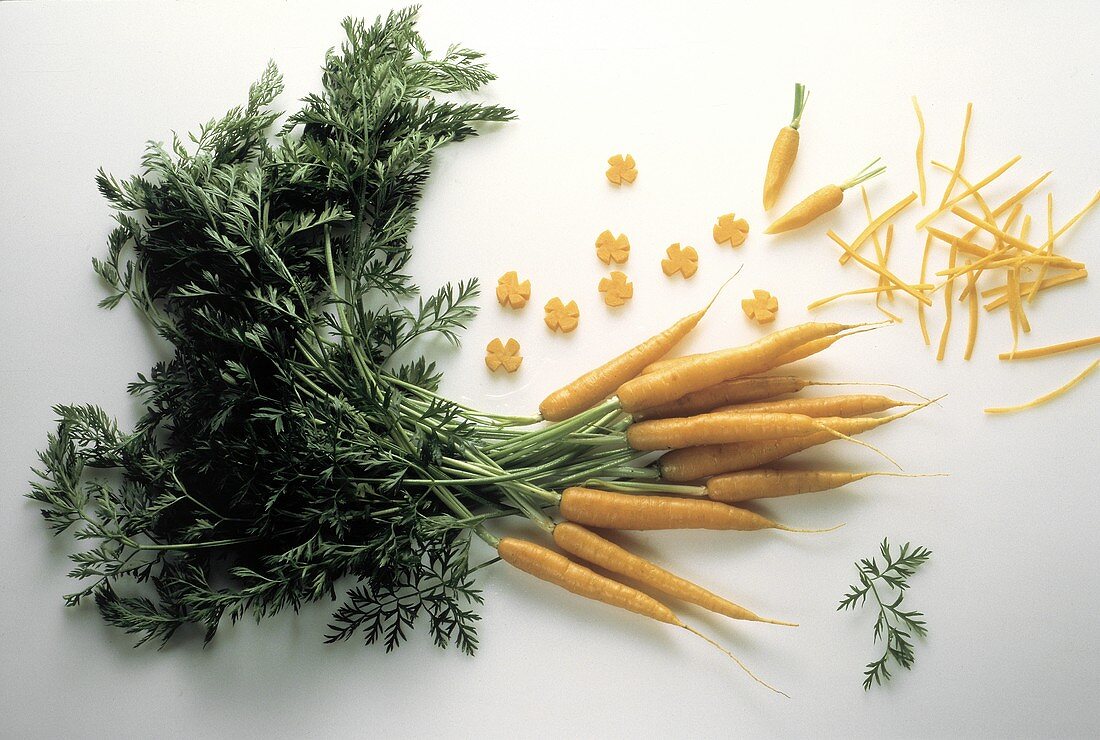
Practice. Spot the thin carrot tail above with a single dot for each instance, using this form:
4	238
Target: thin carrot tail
735	659
876	385
722	287
780	622
861	443
807	531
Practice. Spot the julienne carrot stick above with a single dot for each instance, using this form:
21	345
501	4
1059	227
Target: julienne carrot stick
1046	396
920	151
554	568
784	150
921	318
1050	282
902	285
1053	349
863	291
821	202
972	303
881	219
970	190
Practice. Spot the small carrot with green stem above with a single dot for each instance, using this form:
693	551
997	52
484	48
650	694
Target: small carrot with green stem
822	201
784	150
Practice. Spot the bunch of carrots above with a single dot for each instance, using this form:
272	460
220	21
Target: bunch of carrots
719	422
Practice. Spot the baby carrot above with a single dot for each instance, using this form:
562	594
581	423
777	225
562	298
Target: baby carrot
636	512
820	202
596	385
695	374
784	150
555	568
587	545
747	485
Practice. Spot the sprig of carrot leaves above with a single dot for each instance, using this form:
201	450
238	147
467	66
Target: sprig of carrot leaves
894	627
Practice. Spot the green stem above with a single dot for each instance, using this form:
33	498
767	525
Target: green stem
631	487
801	97
864	175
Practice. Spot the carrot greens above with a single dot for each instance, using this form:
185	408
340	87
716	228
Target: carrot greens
294	442
887	584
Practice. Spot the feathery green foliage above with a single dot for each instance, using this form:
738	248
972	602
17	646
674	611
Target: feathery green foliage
281	449
894	626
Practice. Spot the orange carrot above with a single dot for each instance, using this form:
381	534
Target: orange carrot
820	202
596	385
587	545
552	567
717	427
784	150
636	512
693	463
739	390
857	404
747	485
695	374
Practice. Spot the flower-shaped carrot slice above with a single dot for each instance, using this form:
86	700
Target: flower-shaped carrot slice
762	307
616	290
684	261
621	170
731	229
511	292
610	248
503	355
562	317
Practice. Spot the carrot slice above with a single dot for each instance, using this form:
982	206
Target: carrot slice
972	332
1046	396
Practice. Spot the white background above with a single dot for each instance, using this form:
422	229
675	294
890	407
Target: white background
696	92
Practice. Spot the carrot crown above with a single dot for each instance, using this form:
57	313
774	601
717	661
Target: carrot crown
864	175
801	95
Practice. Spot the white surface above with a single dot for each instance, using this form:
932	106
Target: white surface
696	93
